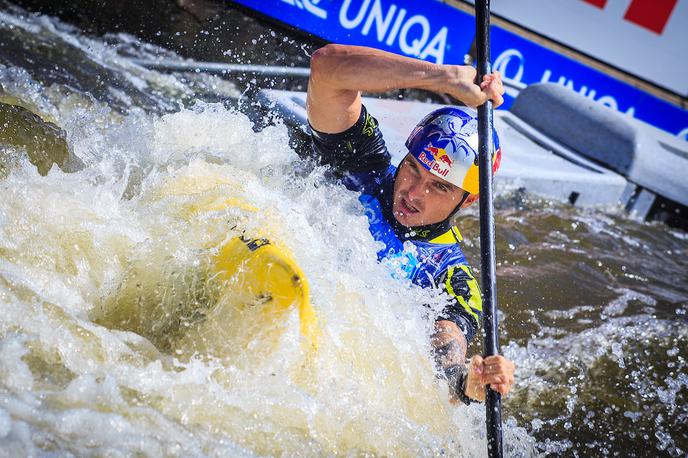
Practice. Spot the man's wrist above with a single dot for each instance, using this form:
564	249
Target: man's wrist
457	377
437	78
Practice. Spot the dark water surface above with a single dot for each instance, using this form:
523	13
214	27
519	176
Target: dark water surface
594	310
594	303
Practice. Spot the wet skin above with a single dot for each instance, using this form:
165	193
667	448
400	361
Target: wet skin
422	198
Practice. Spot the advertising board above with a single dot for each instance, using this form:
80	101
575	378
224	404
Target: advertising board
439	33
407	27
646	38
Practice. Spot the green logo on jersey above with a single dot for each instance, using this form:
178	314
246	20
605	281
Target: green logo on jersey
369	126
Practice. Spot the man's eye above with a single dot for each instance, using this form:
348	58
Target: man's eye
441	187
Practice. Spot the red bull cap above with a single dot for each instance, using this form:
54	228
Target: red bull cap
445	142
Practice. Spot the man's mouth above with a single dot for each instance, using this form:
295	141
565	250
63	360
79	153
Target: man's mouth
406	207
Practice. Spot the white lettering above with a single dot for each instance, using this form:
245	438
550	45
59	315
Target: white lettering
609	101
683	135
548	74
311	8
567	84
381	24
436	47
545	76
417	44
413	34
396	27
348	23
561	81
606	100
502	62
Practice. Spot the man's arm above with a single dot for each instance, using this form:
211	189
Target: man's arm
339	73
450	342
449	345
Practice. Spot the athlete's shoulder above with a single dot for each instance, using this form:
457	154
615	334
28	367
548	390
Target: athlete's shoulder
451	237
360	148
369	126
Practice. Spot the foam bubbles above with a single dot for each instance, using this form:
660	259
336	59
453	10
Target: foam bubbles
106	267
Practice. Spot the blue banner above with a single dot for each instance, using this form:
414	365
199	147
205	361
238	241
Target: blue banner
424	29
522	61
439	33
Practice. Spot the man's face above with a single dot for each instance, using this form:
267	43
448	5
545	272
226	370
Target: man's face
420	197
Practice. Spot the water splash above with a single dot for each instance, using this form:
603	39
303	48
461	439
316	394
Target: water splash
593	302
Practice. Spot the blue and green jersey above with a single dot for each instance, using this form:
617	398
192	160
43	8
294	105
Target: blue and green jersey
429	256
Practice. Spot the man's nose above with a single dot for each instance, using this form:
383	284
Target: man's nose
417	190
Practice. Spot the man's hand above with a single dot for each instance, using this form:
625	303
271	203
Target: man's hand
493	88
496	371
459	82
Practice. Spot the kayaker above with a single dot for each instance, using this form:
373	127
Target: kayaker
416	203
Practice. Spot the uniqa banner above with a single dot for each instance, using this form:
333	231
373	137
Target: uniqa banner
439	33
646	38
411	28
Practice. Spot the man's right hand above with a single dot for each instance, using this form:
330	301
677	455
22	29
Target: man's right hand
496	371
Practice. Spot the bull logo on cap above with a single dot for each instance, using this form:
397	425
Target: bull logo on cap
439	155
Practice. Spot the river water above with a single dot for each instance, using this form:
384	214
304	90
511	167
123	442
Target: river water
154	171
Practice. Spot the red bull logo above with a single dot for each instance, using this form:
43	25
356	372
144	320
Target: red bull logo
439	154
436	159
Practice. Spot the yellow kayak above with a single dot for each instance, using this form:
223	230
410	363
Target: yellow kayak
259	285
241	299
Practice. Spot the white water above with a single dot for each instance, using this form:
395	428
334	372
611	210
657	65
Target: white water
137	226
124	244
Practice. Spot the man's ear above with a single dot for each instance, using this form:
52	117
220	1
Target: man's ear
469	200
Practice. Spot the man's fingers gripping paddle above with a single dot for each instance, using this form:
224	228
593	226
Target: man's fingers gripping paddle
492	88
498	372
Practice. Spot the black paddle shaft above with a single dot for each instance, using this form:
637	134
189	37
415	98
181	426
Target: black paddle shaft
493	400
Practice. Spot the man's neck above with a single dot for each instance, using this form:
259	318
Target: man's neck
424	233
